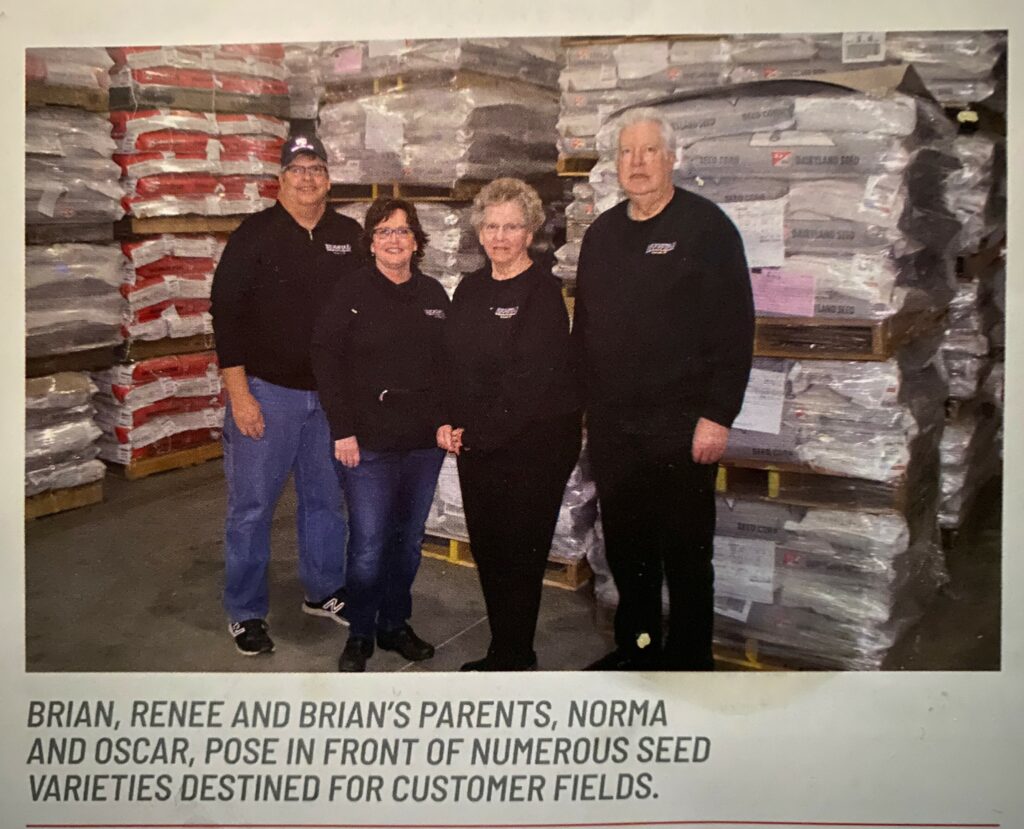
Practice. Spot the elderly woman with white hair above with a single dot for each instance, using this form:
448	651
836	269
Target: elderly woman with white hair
515	424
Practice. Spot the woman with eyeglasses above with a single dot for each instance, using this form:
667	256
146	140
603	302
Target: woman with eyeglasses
515	424
378	358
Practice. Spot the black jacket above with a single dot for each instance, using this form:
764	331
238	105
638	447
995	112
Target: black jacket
272	280
379	362
508	355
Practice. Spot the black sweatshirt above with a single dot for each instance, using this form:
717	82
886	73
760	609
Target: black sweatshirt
664	317
272	280
508	355
378	355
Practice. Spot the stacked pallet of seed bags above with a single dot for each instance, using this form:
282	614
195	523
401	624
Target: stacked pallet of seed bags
973	339
159	405
305	85
959	68
61	434
602	77
439	112
839	198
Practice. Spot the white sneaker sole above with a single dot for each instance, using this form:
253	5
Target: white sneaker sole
252	653
325	614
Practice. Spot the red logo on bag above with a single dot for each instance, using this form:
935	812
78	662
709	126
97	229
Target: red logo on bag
782	158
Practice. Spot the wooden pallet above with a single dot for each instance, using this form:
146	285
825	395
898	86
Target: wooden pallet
820	338
747	659
181	459
199	100
94	359
133	226
133	350
567	574
62	500
43	94
800	486
575	166
60	233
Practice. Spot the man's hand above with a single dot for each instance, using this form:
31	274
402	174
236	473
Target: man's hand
346	450
709	440
245	409
449	439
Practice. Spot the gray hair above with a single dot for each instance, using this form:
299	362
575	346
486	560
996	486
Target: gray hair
514	190
643	115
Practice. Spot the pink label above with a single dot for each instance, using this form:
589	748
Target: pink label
348	61
784	293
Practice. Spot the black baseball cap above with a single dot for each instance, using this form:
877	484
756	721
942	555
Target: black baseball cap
298	144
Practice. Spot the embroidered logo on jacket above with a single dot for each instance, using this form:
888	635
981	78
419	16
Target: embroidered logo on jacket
660	248
506	313
437	313
337	249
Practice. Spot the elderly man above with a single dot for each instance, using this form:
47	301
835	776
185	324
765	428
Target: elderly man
276	273
663	336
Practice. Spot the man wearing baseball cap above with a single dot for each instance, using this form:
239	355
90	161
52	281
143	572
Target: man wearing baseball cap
276	272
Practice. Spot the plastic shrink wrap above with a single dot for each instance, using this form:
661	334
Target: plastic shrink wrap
85	67
72	298
575	532
60	433
959	68
155	406
70	175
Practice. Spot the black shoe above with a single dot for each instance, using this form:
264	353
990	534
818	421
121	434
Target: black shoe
406	642
251	637
620	660
333	607
490	663
353	659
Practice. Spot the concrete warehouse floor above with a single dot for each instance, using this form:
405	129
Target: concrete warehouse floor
141	574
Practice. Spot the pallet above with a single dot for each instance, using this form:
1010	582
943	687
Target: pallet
89	98
132	350
800	486
56	234
93	359
747	659
62	500
181	459
820	338
199	100
567	574
132	226
575	166
549	188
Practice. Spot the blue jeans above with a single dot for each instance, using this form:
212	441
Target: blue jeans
296	439
389	496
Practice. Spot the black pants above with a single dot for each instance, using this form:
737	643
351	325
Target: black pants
658	515
511	496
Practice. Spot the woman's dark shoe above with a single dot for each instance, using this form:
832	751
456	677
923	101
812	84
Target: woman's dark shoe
353	659
405	642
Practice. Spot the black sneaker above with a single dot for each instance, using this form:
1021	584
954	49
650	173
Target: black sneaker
621	660
353	658
492	663
406	642
251	637
333	607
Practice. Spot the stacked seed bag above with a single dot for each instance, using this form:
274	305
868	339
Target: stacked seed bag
447	111
600	78
305	85
160	405
70	174
959	68
61	433
168	284
73	298
77	67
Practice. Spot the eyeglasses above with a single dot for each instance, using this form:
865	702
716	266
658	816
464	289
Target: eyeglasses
387	232
492	229
312	170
